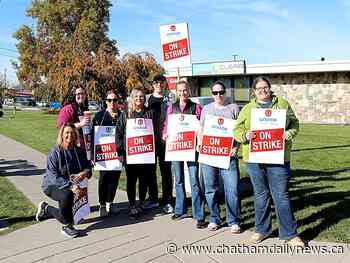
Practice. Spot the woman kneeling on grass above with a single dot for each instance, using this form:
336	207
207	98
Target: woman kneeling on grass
269	179
66	167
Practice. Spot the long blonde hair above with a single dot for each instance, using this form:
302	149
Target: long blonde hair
60	134
131	103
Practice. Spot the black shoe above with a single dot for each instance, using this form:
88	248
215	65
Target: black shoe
69	231
178	217
41	212
201	224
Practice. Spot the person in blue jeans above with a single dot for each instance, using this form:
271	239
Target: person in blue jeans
230	176
185	106
269	179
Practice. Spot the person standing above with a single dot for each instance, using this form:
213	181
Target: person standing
66	167
157	102
73	112
108	180
269	179
230	176
142	172
185	106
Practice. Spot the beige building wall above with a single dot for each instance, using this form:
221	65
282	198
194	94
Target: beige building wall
316	97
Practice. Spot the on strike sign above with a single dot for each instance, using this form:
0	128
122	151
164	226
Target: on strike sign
139	141
106	156
217	141
181	141
268	144
175	46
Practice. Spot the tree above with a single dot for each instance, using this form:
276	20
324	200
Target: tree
70	47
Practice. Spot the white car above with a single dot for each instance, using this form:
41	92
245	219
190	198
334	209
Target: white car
93	106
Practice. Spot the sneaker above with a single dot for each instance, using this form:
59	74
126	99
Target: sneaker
103	211
213	227
178	217
134	213
69	231
41	212
168	209
201	224
235	229
256	238
112	208
148	204
296	242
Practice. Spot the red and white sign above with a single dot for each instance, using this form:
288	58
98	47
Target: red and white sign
181	141
81	207
217	141
139	141
175	46
106	156
268	144
171	83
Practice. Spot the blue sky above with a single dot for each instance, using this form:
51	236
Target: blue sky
260	31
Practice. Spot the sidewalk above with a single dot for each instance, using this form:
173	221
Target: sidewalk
154	238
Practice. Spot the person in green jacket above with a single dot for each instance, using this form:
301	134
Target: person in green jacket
269	179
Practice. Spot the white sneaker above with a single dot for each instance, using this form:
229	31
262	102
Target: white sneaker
235	229
168	209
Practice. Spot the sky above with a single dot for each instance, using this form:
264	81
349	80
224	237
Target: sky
259	31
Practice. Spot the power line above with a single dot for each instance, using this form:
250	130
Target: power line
8	49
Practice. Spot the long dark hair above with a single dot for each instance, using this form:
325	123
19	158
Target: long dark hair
71	99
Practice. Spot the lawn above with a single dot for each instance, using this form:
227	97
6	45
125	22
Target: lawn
320	187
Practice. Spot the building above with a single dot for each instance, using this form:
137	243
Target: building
319	91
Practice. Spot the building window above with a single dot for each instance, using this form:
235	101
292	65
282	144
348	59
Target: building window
241	89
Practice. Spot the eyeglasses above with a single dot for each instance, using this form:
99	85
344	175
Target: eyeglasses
79	94
112	100
157	82
262	88
220	92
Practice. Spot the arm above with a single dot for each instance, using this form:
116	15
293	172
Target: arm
241	127
53	171
120	134
292	128
165	127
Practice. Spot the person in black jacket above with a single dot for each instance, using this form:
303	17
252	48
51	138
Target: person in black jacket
158	103
67	165
142	172
108	180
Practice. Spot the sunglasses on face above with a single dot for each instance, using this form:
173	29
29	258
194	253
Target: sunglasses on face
220	92
112	100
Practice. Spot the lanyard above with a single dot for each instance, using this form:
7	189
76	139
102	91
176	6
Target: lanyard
76	156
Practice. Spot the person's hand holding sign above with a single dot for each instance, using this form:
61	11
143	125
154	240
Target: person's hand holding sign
250	135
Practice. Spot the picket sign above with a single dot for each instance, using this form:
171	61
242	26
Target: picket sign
217	141
139	141
105	149
268	145
81	207
182	130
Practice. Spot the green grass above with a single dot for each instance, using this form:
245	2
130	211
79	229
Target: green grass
16	211
320	187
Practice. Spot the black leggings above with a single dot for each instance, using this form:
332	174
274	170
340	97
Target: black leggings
134	172
107	186
63	213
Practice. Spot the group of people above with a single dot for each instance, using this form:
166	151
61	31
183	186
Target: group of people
268	180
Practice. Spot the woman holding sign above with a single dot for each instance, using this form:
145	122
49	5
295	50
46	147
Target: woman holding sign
184	106
109	179
269	179
216	125
66	167
136	150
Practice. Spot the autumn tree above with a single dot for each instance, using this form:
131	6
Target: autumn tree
69	47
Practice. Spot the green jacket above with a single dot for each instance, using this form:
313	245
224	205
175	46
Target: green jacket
243	125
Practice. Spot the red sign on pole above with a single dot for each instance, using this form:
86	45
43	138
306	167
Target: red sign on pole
175	49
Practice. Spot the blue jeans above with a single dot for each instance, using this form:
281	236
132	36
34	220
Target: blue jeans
197	194
272	180
230	179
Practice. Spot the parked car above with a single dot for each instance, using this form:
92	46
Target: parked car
24	101
9	101
54	105
93	105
